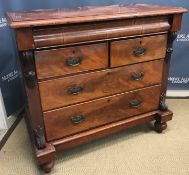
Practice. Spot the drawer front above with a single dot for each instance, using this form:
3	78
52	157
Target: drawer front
71	34
57	62
73	119
79	88
137	50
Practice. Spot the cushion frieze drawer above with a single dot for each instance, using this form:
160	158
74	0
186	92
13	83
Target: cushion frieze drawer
79	88
124	52
63	61
44	37
77	118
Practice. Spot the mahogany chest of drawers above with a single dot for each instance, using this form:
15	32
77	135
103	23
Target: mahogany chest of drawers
93	71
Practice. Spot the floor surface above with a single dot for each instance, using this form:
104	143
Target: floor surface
2	133
137	151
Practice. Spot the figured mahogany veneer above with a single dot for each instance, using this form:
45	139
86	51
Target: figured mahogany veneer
104	30
93	71
88	14
57	92
124	52
99	112
64	61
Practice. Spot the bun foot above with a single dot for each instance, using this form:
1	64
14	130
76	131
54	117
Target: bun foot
47	166
159	127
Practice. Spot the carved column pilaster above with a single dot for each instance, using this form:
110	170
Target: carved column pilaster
171	37
33	104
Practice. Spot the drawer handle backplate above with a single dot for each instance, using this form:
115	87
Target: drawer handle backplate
137	76
75	90
77	119
139	51
135	103
75	61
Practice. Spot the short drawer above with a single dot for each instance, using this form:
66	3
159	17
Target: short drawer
79	88
73	119
124	52
57	62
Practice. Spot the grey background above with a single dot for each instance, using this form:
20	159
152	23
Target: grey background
10	81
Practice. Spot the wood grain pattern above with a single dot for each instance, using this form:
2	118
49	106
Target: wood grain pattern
51	63
101	95
24	39
123	51
87	14
108	129
54	93
98	31
46	157
100	112
176	22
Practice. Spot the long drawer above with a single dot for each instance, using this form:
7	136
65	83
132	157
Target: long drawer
71	34
124	52
79	88
64	61
73	119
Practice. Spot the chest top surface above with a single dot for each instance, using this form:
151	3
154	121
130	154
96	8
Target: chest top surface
87	14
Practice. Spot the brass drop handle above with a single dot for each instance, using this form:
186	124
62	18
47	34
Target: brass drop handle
139	51
77	119
74	61
75	90
137	76
135	103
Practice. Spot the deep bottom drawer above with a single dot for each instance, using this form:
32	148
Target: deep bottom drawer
76	118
